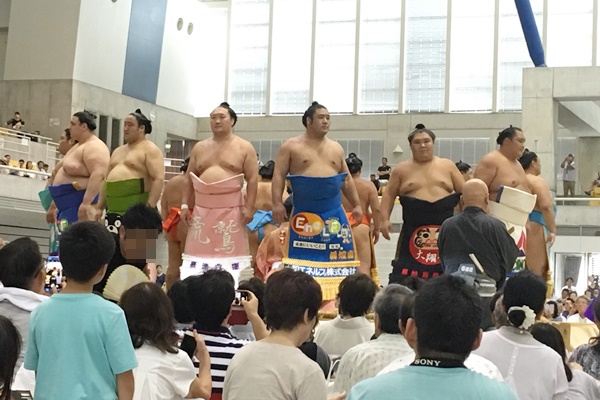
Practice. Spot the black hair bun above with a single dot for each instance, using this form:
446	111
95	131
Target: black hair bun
314	103
224	104
419	126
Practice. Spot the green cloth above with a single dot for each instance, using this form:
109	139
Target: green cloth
120	195
45	198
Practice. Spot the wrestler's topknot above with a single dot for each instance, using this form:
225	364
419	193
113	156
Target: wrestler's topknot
462	166
509	133
310	111
86	117
232	113
142	120
354	163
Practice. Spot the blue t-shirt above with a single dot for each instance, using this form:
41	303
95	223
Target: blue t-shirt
77	344
430	383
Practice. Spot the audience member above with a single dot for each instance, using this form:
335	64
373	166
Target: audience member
22	276
442	345
392	306
10	350
15	122
163	372
292	300
29	166
135	242
160	276
100	358
533	370
568	308
383	172
375	181
569	284
564	293
588	355
581	304
581	385
257	287
207	301
350	327
551	311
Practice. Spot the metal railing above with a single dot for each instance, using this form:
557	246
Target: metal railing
8	170
577	201
52	153
172	166
21	134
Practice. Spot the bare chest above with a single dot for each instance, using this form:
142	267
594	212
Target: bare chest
131	159
415	178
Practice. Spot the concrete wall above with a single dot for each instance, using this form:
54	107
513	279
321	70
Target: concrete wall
116	105
41	39
392	128
102	43
45	105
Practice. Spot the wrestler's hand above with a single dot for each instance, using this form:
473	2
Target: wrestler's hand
375	236
51	215
278	213
357	215
386	229
337	396
247	215
87	212
550	239
186	216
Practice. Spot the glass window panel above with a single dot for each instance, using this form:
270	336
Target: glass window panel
291	56
379	67
425	55
471	76
249	55
569	33
335	54
512	54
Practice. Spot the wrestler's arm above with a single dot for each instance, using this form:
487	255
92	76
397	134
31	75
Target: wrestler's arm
187	187
282	167
457	179
51	213
251	176
375	212
486	169
96	160
387	200
155	164
102	197
546	205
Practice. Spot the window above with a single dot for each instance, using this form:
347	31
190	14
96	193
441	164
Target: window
266	149
248	57
570	33
335	54
425	56
512	54
469	150
472	55
291	56
379	69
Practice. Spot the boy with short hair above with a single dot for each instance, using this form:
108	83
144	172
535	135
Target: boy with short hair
79	343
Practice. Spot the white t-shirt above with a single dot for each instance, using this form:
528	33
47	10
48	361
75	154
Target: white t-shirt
583	387
532	369
577	319
162	376
260	371
337	336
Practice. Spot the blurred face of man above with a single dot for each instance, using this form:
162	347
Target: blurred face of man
132	131
581	305
422	147
220	121
77	129
515	146
319	123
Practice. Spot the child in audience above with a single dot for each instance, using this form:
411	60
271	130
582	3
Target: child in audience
581	385
10	348
163	372
79	345
350	327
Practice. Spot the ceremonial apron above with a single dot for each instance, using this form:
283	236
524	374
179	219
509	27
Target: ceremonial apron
217	238
320	241
120	195
417	252
513	206
67	198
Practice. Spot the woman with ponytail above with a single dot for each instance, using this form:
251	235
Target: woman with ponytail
534	371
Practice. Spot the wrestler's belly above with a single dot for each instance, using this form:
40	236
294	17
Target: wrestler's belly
318	170
217	173
62	177
430	194
123	172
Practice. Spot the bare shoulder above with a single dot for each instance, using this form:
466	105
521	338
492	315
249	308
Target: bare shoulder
201	145
152	148
537	183
444	162
97	146
402	166
491	158
244	144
